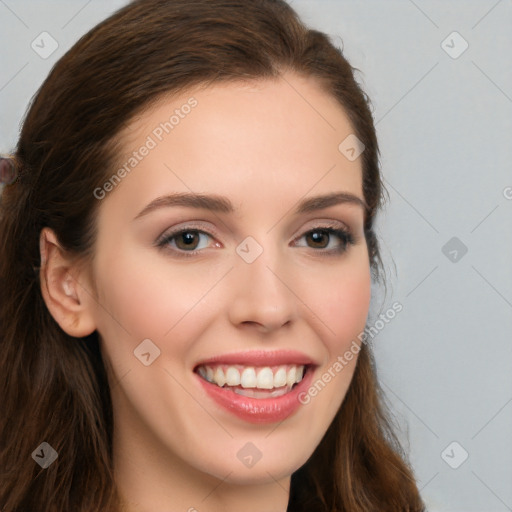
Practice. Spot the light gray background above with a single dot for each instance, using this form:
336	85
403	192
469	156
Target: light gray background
445	130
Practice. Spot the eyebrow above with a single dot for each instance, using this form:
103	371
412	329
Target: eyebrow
222	204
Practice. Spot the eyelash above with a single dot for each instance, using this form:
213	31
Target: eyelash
344	235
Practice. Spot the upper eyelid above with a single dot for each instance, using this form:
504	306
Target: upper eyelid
204	226
171	232
199	226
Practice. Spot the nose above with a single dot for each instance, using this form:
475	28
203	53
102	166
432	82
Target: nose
263	298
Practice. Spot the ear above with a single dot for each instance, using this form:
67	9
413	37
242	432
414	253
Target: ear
64	287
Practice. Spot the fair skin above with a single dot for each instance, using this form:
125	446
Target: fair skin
265	148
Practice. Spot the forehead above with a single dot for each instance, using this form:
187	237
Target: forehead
282	134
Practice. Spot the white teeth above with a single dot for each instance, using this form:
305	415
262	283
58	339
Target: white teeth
232	377
253	377
265	379
291	376
248	378
251	393
219	377
280	377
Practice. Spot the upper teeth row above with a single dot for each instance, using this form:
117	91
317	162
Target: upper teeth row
286	375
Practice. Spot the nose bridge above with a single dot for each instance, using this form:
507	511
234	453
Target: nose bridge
261	292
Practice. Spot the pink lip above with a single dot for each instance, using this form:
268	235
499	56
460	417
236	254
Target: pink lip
258	410
261	358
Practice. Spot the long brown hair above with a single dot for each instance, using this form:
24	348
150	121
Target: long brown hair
54	388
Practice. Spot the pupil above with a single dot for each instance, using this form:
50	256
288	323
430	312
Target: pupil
188	238
317	237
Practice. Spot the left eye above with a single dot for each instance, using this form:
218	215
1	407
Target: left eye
321	238
185	240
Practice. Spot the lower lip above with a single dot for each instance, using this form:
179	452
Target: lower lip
258	410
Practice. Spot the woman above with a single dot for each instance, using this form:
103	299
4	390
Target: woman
187	253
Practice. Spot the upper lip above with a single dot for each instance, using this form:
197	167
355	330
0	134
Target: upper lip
260	358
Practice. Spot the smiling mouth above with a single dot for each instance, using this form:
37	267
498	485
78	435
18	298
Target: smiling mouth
254	381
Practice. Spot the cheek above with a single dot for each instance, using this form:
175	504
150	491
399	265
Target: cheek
342	301
146	296
342	304
135	302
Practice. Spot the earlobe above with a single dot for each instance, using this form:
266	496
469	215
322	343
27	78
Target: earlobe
63	288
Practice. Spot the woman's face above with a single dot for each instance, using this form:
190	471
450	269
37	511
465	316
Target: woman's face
250	283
